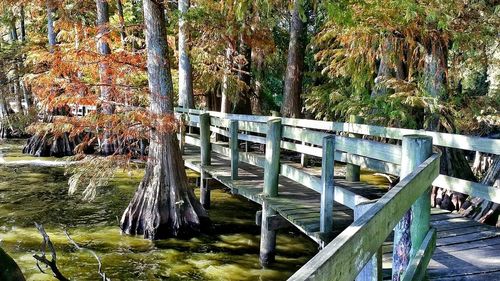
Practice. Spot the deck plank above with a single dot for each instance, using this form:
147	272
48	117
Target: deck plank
466	250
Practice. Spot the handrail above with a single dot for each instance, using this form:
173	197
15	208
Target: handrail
315	131
440	139
344	257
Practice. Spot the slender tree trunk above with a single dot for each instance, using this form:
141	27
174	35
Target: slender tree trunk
13	30
104	50
23	26
225	99
186	98
163	205
121	18
256	98
291	106
4	114
243	105
51	34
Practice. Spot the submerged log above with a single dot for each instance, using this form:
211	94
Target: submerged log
9	270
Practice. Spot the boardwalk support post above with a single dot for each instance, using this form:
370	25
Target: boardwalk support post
233	145
327	185
206	157
373	269
413	227
271	176
353	171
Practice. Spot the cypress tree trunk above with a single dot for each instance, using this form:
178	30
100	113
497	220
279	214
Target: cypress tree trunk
108	145
225	106
123	33
291	106
46	144
51	35
13	30
23	26
256	99
453	162
163	205
390	66
243	105
186	98
9	270
5	132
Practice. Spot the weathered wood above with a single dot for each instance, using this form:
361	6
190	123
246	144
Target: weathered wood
476	189
205	139
272	165
373	269
274	222
327	184
353	172
267	237
235	152
418	264
206	158
182	132
271	178
344	257
440	139
411	230
381	151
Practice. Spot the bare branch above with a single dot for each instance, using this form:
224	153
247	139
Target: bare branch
52	264
102	274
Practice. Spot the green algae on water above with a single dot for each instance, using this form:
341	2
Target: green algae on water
230	252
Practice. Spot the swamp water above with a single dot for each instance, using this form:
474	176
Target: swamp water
31	194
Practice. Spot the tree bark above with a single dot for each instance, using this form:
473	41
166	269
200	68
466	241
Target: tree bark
108	145
291	106
453	162
186	98
390	66
23	25
51	35
225	100
243	105
9	271
163	205
13	30
121	18
256	98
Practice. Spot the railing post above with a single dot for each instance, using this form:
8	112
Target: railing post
304	158
206	158
327	184
411	230
271	177
353	172
373	269
182	131
272	164
235	151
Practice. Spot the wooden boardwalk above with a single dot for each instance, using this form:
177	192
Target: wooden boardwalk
466	250
296	203
353	222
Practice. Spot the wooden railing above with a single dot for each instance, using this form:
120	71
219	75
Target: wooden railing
355	253
309	132
346	256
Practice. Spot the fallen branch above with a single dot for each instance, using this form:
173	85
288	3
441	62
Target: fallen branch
52	264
